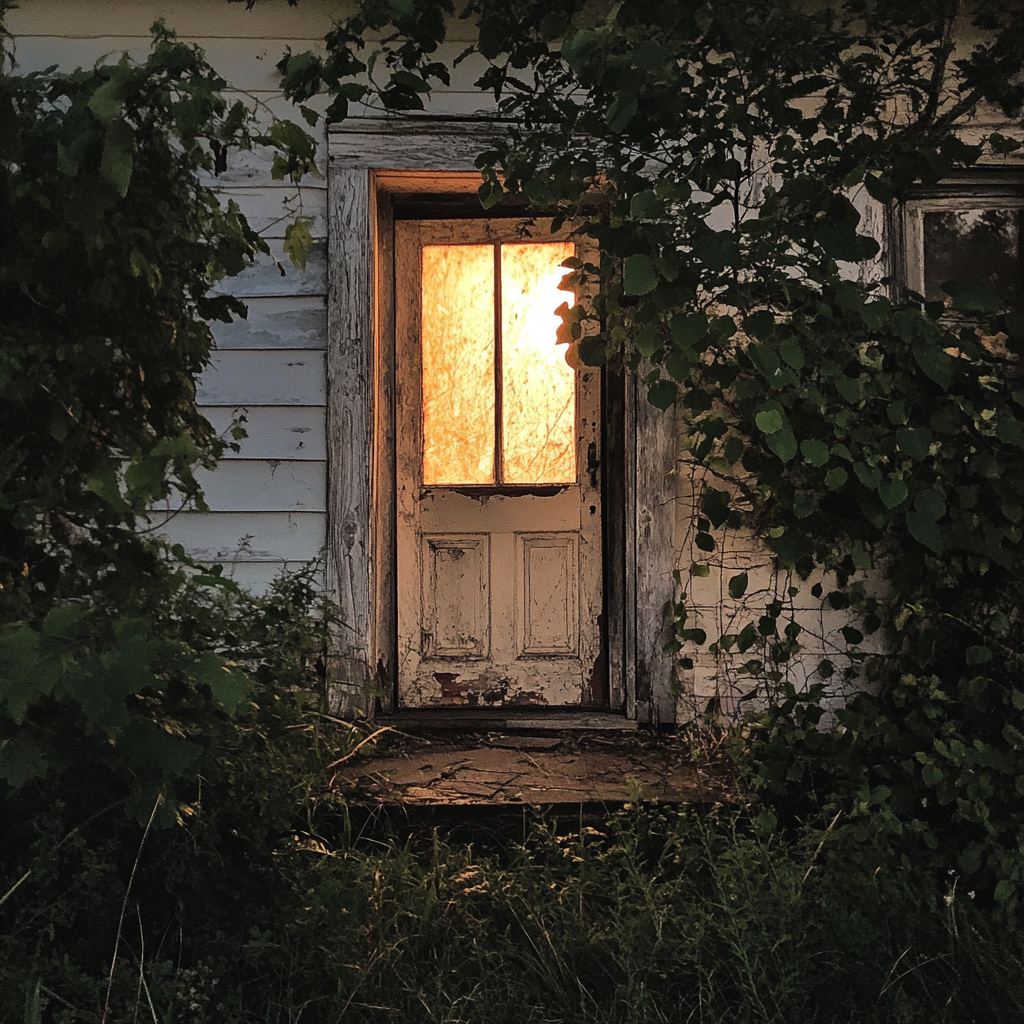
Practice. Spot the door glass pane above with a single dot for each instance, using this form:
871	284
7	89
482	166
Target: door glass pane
974	247
458	364
538	386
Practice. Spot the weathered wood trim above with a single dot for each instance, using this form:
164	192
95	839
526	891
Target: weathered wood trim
613	482
370	160
629	458
655	444
385	609
981	187
419	142
350	447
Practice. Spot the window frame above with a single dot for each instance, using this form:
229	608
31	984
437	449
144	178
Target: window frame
985	189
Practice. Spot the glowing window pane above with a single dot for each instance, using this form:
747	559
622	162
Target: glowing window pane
458	364
538	386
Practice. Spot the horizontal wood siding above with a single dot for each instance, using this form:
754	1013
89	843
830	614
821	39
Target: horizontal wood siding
276	323
258	577
267	500
275	432
259	485
252	537
275	274
270	210
263	377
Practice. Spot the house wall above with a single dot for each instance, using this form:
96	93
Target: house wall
267	502
716	681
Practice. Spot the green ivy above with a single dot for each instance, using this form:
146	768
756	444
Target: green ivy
720	156
114	239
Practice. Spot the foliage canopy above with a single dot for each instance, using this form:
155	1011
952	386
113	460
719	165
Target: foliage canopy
723	157
720	155
115	241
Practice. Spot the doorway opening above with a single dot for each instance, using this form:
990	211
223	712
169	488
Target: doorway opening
499	541
381	172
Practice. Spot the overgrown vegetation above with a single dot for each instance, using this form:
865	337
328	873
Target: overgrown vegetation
113	246
722	156
641	917
172	846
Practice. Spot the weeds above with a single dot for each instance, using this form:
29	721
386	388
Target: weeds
259	901
649	915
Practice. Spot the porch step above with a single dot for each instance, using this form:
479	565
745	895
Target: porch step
505	719
503	770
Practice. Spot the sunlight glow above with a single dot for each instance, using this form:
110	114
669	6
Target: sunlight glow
538	393
539	387
458	364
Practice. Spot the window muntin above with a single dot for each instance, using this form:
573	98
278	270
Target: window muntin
498	399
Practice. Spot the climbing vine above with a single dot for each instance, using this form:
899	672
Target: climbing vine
726	158
114	243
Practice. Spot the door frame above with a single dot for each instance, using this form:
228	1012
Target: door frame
423	166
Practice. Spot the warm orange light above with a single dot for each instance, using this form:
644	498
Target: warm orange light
538	387
458	364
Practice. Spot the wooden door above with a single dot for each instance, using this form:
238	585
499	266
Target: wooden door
497	463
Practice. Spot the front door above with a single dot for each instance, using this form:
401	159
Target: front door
497	463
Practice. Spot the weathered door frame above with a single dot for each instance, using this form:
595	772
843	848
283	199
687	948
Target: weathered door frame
372	164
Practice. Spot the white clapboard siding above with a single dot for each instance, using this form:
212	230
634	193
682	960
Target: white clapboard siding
253	537
237	377
277	322
258	577
252	167
275	432
257	485
264	485
248	64
269	210
245	63
277	275
192	19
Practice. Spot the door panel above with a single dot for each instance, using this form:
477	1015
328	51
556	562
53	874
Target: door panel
548	569
499	566
456	596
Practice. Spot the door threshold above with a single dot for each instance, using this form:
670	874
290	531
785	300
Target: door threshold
507	719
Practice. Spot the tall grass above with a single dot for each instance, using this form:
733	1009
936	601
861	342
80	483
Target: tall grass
648	914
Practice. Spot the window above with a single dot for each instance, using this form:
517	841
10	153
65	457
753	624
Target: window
968	230
498	397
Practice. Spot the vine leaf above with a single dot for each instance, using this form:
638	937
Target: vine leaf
936	364
783	443
814	452
925	530
639	275
893	491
